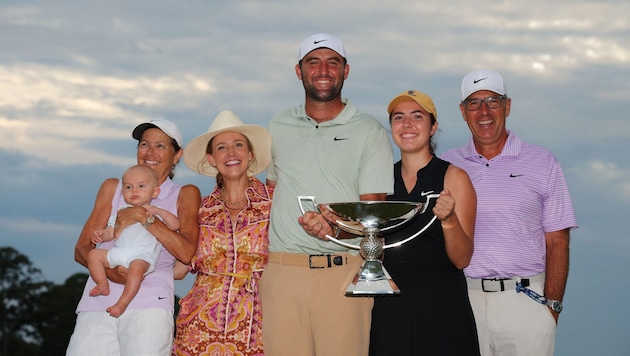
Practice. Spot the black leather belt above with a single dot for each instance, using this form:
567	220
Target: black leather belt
502	284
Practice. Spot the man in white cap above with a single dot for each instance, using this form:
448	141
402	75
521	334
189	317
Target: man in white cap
519	268
329	149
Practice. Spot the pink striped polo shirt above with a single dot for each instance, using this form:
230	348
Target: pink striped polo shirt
521	194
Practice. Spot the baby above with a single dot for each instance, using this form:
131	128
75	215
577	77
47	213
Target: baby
136	249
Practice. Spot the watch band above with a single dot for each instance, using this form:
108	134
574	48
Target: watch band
555	305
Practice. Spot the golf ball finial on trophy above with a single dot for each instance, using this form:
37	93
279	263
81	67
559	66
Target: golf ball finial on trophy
370	219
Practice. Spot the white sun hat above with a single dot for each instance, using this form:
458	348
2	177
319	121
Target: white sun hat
195	154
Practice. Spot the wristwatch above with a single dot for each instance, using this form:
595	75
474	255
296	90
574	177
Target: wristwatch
151	219
555	305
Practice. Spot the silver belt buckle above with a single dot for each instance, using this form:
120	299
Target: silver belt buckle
499	280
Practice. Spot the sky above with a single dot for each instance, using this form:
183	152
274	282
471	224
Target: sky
77	77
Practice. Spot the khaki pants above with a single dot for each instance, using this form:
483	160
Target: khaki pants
306	312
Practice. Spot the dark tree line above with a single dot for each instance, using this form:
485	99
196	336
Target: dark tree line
36	316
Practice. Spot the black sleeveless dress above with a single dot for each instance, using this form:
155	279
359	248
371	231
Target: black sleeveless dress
432	315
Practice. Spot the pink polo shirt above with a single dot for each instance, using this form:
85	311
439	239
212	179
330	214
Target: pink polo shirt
521	194
157	289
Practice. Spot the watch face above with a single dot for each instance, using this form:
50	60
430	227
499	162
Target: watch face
556	306
149	221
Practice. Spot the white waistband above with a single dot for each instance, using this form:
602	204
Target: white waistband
502	284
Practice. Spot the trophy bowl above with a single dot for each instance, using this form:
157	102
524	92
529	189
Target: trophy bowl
370	219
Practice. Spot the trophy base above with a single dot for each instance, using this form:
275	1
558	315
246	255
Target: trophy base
372	280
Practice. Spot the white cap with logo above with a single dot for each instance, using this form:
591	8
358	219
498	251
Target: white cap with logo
168	127
483	79
321	40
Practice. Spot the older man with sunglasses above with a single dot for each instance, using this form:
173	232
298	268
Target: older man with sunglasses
519	268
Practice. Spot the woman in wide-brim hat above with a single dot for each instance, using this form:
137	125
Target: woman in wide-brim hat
222	311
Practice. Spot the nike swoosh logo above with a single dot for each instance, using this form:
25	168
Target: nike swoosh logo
478	80
316	42
160	298
512	175
426	193
340	139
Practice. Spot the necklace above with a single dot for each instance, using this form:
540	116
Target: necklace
235	204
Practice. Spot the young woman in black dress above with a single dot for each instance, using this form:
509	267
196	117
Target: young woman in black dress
432	315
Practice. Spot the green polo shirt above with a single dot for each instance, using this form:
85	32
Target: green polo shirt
335	161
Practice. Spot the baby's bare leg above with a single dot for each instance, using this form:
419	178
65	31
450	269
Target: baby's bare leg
135	275
97	262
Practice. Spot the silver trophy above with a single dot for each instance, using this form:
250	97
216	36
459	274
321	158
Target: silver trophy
370	219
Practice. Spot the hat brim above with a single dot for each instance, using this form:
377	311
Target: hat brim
169	128
195	155
422	99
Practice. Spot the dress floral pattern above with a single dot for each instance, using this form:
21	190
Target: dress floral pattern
222	315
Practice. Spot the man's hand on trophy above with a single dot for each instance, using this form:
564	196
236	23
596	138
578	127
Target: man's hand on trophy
444	207
316	225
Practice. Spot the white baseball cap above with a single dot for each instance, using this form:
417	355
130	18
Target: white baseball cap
483	79
321	40
169	128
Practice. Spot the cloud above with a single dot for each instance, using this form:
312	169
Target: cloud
54	114
32	226
78	76
28	16
606	177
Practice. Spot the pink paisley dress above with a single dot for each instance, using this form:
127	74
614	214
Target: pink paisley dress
221	314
